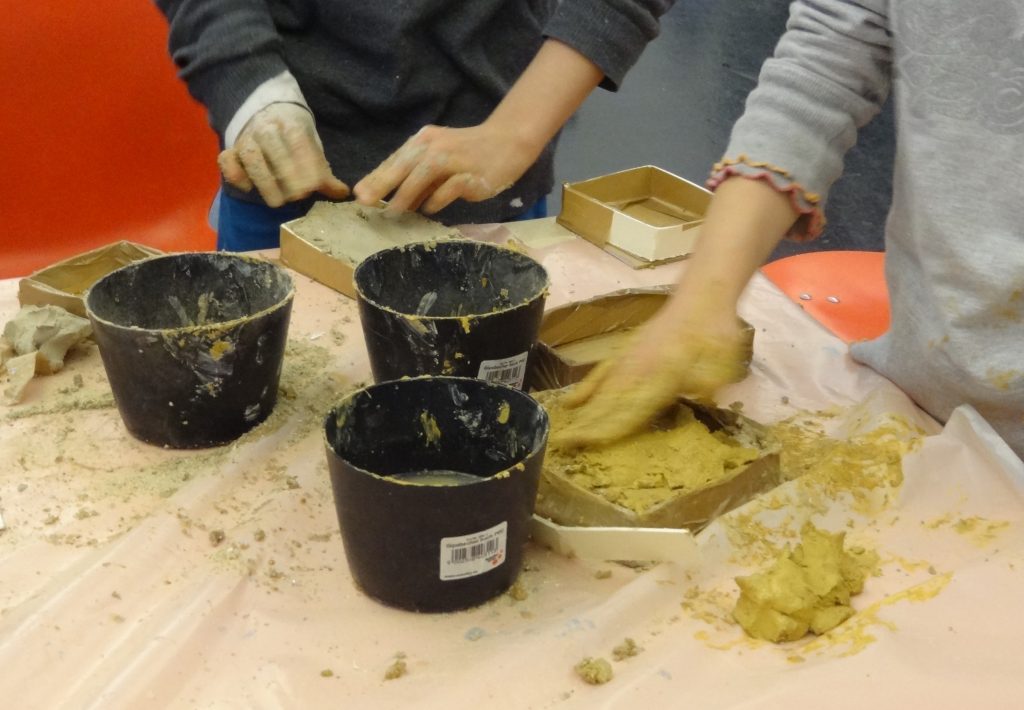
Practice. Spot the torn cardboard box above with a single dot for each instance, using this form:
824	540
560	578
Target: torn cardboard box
643	216
334	237
63	283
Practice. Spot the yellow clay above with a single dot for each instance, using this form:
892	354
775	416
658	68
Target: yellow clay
807	589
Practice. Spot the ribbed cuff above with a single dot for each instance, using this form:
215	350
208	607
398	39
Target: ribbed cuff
279	89
224	89
808	204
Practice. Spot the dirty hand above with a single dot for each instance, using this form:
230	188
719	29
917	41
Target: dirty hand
667	358
439	165
279	152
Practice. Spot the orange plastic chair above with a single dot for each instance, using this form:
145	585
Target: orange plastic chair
100	140
845	291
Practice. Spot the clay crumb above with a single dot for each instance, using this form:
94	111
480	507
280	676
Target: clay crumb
626	649
115	594
326	673
397	669
217	537
595	671
259	535
518	591
602	574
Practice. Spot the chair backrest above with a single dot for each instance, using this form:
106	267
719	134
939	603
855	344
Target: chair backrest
845	291
99	140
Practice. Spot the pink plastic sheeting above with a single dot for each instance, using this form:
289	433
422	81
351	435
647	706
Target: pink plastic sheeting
113	595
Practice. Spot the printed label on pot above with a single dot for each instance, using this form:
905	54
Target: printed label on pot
508	371
470	555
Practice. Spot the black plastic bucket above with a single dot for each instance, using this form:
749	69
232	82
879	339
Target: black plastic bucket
420	545
192	344
461	308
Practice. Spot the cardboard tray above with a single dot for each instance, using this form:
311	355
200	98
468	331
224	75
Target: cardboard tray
64	283
564	502
334	237
643	215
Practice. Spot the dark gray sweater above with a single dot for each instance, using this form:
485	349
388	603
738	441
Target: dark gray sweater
373	73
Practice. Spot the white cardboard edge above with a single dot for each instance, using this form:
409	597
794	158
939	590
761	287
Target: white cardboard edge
605	543
649	242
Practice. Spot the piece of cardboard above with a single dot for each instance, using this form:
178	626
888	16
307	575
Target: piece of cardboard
575	337
65	282
564	502
643	215
621	544
334	237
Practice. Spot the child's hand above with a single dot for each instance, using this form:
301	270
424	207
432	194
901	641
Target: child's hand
439	165
280	154
668	358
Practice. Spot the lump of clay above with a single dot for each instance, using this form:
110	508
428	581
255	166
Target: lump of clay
35	342
807	589
20	371
49	330
596	671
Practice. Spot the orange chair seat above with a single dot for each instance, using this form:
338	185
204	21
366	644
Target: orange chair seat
101	141
845	291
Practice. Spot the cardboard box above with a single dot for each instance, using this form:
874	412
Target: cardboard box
575	337
334	237
643	216
564	502
65	282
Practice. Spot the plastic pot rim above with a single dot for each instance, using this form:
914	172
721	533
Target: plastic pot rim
542	291
389	478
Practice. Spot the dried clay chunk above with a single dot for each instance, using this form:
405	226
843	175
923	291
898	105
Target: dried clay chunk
626	649
50	330
595	671
807	589
397	669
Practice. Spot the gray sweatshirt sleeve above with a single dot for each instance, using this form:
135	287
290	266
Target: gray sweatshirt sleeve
610	33
223	50
829	76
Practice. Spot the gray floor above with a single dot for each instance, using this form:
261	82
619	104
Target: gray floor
679	102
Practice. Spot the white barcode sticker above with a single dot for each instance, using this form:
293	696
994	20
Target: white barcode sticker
508	371
470	555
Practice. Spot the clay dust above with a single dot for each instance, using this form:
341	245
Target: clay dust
861	471
72	445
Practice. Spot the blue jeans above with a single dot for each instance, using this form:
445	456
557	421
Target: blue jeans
246	226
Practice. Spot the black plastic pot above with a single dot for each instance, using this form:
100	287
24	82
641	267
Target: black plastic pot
428	547
462	308
192	344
